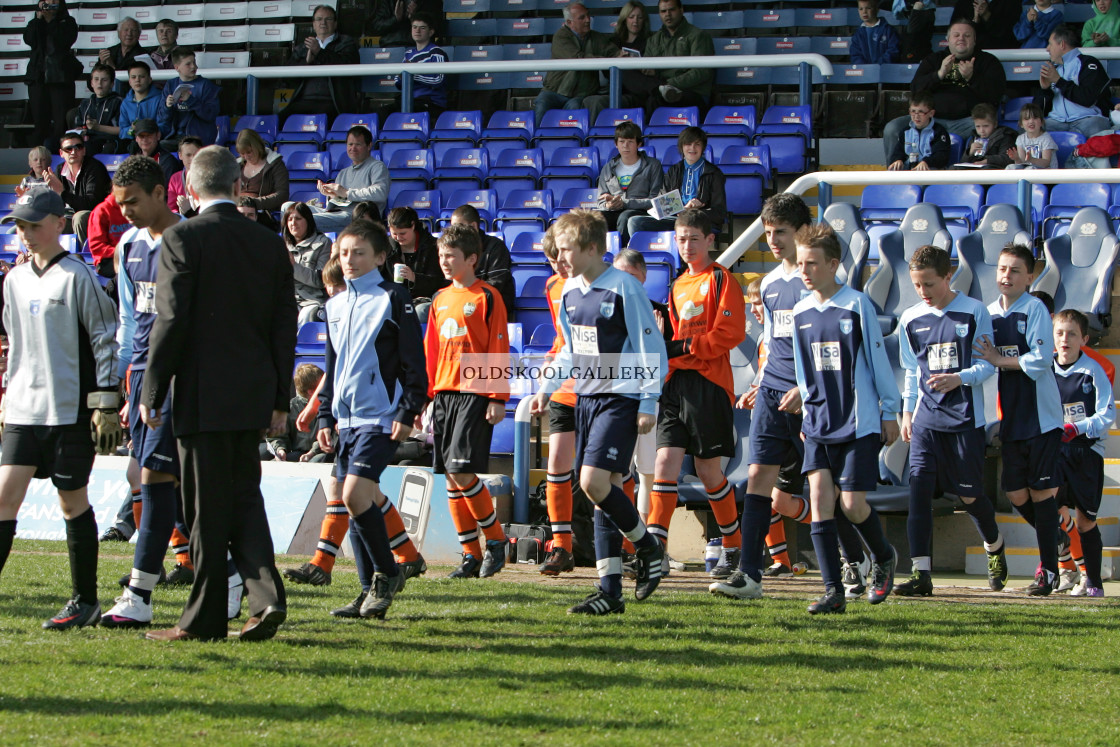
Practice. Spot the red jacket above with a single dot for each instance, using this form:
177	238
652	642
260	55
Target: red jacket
106	226
1100	146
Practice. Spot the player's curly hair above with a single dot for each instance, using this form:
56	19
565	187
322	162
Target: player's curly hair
139	170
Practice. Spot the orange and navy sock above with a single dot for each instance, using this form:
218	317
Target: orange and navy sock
801	515
399	541
137	508
628	489
722	501
662	504
464	522
482	508
558	497
331	531
181	546
776	540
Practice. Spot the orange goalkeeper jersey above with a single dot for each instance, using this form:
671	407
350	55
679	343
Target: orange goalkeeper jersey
708	315
554	288
464	320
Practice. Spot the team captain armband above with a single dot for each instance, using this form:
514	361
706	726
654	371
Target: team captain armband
103	400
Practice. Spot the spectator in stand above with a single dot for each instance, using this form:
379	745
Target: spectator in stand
365	179
575	40
414	249
701	184
39	163
1095	152
106	226
916	40
1034	148
178	198
310	251
323	93
875	41
627	181
1073	87
191	102
142	102
994	21
264	177
167	37
83	182
687	86
392	20
100	113
1038	20
293	444
429	92
992	142
52	69
125	51
959	78
924	145
148	144
1103	29
631	34
494	265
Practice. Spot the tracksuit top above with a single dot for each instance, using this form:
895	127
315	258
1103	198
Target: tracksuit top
375	363
1028	397
1086	401
939	341
780	293
708	315
461	321
554	288
139	268
847	385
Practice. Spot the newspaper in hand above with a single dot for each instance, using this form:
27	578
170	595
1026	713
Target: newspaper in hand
666	205
181	93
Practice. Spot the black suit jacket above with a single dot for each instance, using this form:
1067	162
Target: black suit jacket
226	324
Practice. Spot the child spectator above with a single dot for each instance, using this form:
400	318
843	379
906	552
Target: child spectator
191	103
875	41
178	199
850	402
142	102
100	113
1022	350
701	184
429	92
1103	29
924	144
1036	23
627	181
310	251
1034	148
991	142
38	163
1088	410
370	327
293	444
606	312
106	226
466	317
943	414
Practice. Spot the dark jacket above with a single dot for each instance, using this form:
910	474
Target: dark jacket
343	50
494	266
228	344
93	186
424	262
121	61
689	41
644	184
567	46
1093	88
310	256
398	33
166	160
998	32
940	149
293	441
105	111
995	152
274	184
711	191
52	58
953	98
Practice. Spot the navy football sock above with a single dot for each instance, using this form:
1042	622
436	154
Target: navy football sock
157	519
622	512
371	526
608	554
7	535
1092	547
850	542
81	543
1027	511
871	529
825	542
983	515
755	525
362	558
919	522
1046	528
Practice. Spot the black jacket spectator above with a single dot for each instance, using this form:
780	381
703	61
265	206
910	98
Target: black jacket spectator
93	186
711	190
1092	88
424	262
954	97
940	149
52	69
494	266
997	30
397	32
325	93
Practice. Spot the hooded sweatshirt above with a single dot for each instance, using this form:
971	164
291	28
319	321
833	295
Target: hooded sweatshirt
1103	23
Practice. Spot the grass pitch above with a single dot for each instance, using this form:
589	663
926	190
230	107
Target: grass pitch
499	661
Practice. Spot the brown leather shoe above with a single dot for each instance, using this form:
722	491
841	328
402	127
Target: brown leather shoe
262	627
172	634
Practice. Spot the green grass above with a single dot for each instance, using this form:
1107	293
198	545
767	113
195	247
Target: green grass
492	661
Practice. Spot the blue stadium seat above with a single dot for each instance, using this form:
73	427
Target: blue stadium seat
529	286
729	46
343	122
306	195
826	17
385	84
511	230
748	173
888	202
528	243
523	51
308	165
112	161
541	340
10	243
458	125
659	277
890	287
1022	70
515	28
413	126
221	122
466	6
311	339
572	199
530	205
303	128
1068	199
1080	266
1010	113
483	200
661	245
730	120
415	166
1066	141
462	168
771	21
507	125
844	219
670	120
784	45
471	28
426	202
574	162
519	166
559	185
978	252
569	125
718	21
265	125
8	201
720	143
957	201
608	119
788	130
1009	193
339	159
831	46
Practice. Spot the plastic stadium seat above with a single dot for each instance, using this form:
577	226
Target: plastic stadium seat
785	45
311	339
978	252
729	46
1009	194
720	143
528	242
1066	141
308	165
426	202
748	174
401	126
658	279
415	165
715	22
518	163
458	125
222	125
563	124
339	159
529	286
265	125
831	46
656	242
507	125
608	119
670	120
888	202
513	28
1011	109
1067	199
343	122
574	162
788	130
112	162
844	219
483	200
541	340
559	185
769	21
462	168
890	287
572	199
528	205
957	201
692	492
1080	265
471	28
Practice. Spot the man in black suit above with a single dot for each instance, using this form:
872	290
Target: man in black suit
226	332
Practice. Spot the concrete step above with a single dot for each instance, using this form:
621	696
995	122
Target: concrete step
1018	533
1022	561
